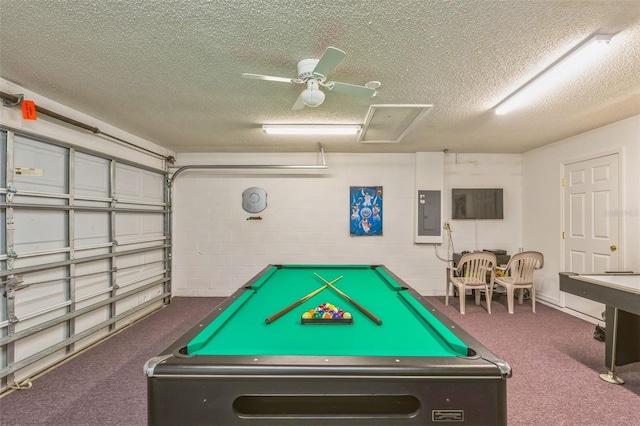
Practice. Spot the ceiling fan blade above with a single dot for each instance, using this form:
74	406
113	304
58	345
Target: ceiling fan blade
350	89
330	59
299	104
268	78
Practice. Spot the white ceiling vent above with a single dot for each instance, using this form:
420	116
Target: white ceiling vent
390	123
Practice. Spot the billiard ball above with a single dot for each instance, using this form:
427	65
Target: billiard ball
346	315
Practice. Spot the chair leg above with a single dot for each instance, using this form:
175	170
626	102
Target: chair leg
510	299
462	291
533	299
446	295
477	294
520	296
488	295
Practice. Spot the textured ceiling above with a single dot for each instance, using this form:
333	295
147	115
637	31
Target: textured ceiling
170	70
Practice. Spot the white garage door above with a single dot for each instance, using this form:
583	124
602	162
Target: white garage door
83	250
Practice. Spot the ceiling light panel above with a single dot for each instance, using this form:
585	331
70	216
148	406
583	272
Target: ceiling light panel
311	129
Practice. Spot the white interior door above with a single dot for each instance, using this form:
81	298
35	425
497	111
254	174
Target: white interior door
591	223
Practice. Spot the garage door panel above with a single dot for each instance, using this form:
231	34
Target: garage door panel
136	184
39	230
135	226
39	166
31	345
92	278
128	182
92	176
152	186
44	289
143	262
92	319
91	228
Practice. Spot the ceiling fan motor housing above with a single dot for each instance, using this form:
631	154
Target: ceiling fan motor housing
305	69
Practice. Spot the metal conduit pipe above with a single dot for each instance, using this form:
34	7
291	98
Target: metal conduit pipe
17	100
251	166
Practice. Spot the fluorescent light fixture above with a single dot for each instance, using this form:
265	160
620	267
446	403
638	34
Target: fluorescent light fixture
311	129
555	74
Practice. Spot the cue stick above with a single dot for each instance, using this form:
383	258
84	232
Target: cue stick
277	315
353	302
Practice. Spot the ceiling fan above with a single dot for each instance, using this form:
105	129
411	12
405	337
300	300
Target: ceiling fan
313	73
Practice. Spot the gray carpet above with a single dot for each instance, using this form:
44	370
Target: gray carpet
556	364
554	357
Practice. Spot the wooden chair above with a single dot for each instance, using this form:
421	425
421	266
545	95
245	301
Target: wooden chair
518	275
472	272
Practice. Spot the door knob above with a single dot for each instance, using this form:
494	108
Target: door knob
613	248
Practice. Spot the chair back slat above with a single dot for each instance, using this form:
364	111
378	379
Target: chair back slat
475	266
523	265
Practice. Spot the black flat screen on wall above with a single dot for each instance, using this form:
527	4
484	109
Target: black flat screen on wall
477	203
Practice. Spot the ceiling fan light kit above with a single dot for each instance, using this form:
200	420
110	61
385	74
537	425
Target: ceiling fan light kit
313	73
574	61
312	96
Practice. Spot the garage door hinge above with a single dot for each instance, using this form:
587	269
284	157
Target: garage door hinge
12	254
11	191
563	235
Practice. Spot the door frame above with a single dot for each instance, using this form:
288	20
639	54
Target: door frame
618	217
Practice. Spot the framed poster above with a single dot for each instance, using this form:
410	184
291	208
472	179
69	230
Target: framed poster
365	210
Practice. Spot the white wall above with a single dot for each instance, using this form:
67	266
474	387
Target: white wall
542	196
486	171
216	249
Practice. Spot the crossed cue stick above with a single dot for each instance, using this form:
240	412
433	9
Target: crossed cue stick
353	302
313	293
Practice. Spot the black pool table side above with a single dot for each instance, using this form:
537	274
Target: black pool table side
201	389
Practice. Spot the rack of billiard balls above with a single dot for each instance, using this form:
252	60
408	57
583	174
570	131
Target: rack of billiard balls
326	313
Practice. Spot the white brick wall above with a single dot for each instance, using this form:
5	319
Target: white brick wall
216	249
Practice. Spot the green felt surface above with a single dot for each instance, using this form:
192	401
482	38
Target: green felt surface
408	329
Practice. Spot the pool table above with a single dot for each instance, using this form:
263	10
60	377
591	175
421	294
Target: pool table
413	366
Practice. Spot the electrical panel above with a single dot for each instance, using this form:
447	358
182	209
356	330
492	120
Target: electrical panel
428	193
429	213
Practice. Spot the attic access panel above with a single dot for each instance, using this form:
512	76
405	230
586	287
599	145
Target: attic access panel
391	123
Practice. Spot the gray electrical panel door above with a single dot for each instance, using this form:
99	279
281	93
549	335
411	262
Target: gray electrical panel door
429	213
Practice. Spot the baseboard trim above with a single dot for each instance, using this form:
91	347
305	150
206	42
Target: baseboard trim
571	312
